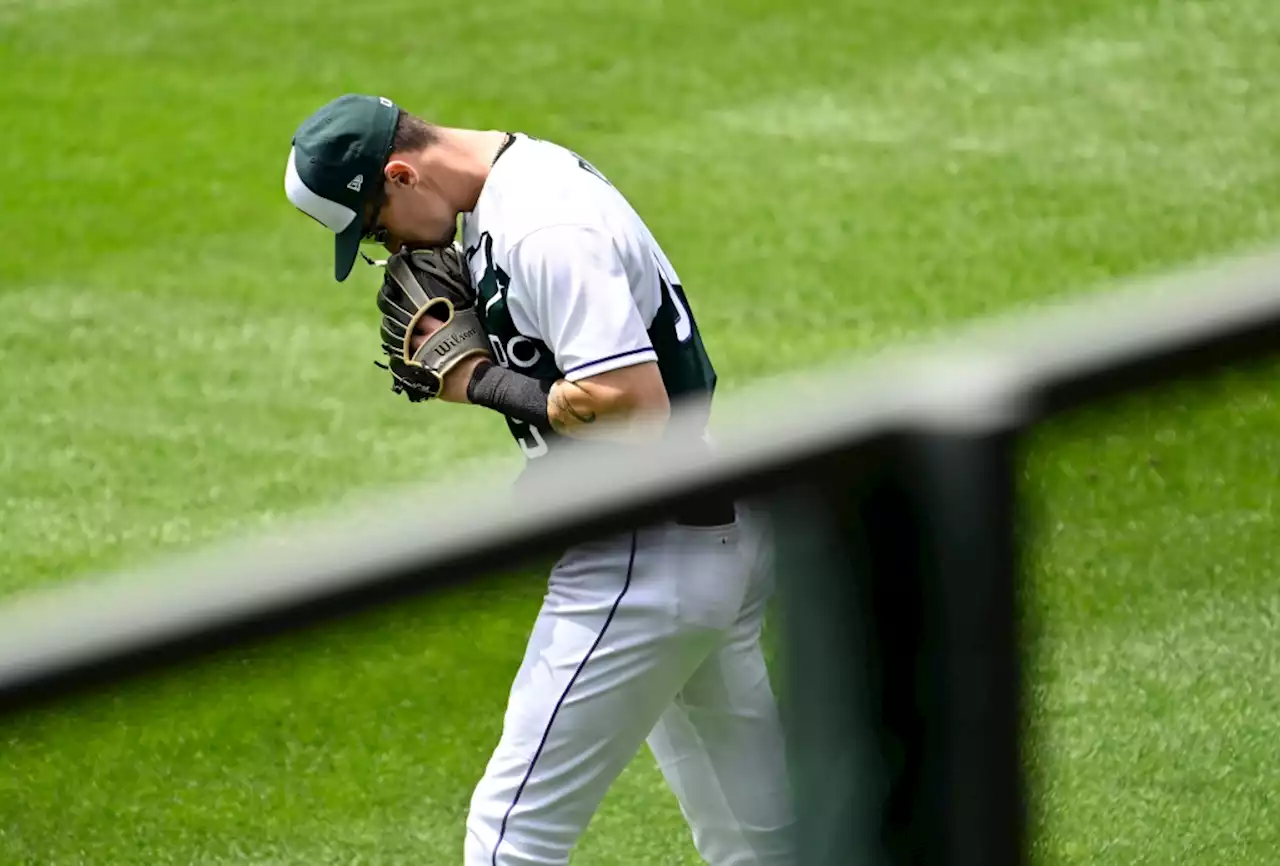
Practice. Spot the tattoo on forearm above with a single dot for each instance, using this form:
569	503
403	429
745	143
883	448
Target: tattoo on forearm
564	407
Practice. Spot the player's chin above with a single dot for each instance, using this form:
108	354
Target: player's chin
447	236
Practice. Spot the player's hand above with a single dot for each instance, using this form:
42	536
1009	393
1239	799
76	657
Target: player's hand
456	380
431	331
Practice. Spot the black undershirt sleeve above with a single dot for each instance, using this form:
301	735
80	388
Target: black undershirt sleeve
510	393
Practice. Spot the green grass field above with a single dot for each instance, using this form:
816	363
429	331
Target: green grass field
177	367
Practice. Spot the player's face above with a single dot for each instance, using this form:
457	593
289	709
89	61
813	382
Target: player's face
415	215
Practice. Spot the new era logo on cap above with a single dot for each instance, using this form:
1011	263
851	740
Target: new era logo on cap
333	152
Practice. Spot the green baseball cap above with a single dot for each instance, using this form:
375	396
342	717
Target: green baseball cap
335	167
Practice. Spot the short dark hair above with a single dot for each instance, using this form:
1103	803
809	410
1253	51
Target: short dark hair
413	134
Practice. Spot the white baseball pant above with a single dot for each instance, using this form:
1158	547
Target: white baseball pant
649	636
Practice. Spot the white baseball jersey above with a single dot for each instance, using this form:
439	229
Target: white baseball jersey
571	281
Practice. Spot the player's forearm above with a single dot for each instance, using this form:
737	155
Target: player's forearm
628	405
611	410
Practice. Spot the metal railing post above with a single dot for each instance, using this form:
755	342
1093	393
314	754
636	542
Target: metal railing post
902	679
971	789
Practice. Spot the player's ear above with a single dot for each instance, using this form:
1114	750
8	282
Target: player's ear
400	173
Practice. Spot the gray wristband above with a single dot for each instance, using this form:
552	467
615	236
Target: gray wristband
510	393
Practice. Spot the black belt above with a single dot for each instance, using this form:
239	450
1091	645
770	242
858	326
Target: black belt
715	511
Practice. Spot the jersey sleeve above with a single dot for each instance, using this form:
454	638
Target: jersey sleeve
569	288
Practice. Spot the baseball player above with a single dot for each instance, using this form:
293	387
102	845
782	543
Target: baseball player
560	311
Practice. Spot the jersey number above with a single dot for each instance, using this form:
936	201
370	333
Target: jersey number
683	324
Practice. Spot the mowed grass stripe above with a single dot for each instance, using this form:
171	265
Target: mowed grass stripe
238	421
1093	103
1153	687
12	11
1154	498
323	747
179	145
1158	745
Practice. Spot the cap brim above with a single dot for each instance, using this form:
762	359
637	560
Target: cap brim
346	247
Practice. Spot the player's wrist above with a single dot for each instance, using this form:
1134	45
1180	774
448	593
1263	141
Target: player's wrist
456	381
477	373
509	393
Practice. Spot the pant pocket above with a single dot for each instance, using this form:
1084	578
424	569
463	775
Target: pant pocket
707	573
